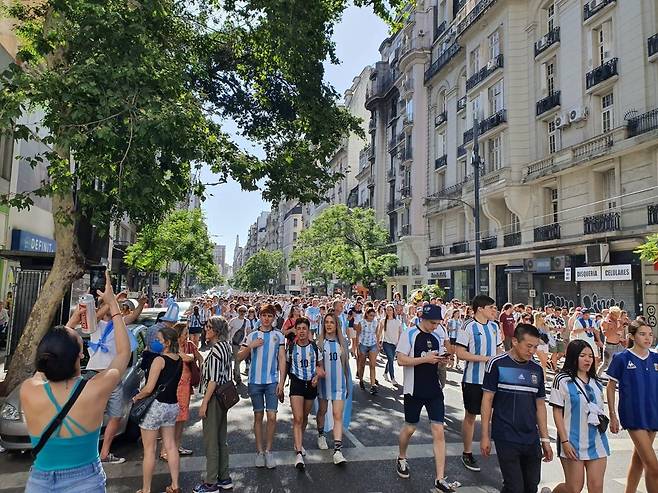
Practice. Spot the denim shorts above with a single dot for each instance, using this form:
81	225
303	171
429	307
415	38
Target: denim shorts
363	349
160	415
263	397
89	478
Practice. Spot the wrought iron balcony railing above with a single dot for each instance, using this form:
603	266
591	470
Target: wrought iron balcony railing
493	65
439	162
512	239
548	103
461	104
601	73
459	247
441	118
489	243
602	223
643	123
442	61
652	213
591	8
652	43
547	40
436	251
548	232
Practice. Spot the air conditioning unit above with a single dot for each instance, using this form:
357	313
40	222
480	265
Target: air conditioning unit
561	120
559	263
577	114
529	265
594	4
597	254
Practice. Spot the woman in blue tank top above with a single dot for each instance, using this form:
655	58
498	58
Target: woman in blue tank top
69	461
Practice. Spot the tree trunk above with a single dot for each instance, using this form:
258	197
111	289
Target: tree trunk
67	267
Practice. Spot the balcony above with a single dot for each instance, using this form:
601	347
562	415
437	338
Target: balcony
493	121
461	151
482	74
459	248
442	61
440	162
472	16
439	30
652	43
390	206
643	123
593	7
371	182
602	73
390	174
415	270
364	155
512	239
652	213
372	126
436	251
461	104
400	271
602	223
392	144
548	103
406	154
405	230
547	40
405	192
548	232
489	243
407	120
468	135
441	118
379	87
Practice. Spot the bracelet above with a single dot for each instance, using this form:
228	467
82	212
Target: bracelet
114	315
545	440
564	441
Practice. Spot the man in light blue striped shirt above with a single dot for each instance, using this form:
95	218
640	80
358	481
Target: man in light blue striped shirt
477	342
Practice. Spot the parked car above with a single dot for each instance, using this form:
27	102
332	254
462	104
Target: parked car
13	430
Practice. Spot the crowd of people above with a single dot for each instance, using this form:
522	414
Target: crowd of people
304	346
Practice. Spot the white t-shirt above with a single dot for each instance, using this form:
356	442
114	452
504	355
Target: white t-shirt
236	324
100	360
392	330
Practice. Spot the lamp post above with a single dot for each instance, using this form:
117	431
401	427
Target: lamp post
476	201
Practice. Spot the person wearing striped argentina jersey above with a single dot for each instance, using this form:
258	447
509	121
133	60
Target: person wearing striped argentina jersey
514	408
304	363
266	347
336	383
478	341
577	400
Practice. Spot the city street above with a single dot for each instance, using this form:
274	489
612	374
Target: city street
370	447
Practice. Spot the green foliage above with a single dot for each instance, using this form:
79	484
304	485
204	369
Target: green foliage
348	243
649	250
183	238
136	91
257	271
428	291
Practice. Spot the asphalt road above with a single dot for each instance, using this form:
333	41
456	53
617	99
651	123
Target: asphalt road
370	447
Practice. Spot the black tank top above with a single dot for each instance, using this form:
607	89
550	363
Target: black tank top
169	377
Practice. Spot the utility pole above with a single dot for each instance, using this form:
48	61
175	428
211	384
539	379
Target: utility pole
476	204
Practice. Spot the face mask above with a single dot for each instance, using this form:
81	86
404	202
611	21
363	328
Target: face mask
157	346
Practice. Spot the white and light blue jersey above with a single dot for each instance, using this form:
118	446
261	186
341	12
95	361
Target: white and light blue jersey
588	442
482	340
303	360
333	386
453	327
313	314
264	366
368	335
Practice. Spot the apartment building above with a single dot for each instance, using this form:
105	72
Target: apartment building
564	93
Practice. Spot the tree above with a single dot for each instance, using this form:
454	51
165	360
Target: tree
346	242
258	270
181	239
133	94
649	250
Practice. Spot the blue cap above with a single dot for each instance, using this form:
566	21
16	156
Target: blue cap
172	313
431	312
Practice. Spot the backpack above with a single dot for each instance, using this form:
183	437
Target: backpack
238	337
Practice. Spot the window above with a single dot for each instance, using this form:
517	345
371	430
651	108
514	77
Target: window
441	101
495	153
553	196
550	17
550	77
513	223
410	110
607	106
294	236
440	145
294	222
496	97
475	110
293	280
494	45
610	188
440	181
552	137
475	60
602	43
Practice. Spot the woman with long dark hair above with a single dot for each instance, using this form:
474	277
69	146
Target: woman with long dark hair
391	328
165	373
577	400
69	460
635	370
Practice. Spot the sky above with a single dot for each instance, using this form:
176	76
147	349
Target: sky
229	210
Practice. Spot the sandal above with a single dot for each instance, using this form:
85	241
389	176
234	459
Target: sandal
169	489
163	457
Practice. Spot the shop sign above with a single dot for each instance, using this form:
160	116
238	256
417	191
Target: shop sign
27	242
440	274
620	272
588	274
567	274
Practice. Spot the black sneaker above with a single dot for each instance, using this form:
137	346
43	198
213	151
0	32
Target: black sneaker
442	485
362	384
373	389
402	467
470	463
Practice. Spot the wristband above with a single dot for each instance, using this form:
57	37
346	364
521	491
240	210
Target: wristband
114	315
545	440
564	441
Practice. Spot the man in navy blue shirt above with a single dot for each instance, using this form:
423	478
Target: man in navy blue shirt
514	391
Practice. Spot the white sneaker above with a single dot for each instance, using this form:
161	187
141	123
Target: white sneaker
303	452
260	459
299	462
270	461
322	443
339	458
394	382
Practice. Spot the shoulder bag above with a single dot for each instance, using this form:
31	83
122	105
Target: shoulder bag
195	371
140	408
238	337
56	423
227	394
603	419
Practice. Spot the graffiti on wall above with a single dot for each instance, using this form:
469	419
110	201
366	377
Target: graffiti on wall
589	301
